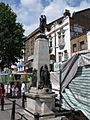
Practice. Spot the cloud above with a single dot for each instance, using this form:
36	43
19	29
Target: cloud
32	5
29	11
30	28
10	2
83	5
73	3
55	9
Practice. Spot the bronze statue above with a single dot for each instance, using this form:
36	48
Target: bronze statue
42	23
41	83
34	78
47	77
44	77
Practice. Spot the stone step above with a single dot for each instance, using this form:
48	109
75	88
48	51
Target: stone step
22	115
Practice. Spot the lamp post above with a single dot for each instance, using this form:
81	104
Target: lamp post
54	26
61	45
60	85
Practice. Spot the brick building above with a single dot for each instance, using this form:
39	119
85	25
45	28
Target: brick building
63	36
79	43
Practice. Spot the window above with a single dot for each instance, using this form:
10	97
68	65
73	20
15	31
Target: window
74	47
82	45
60	56
61	37
50	41
65	55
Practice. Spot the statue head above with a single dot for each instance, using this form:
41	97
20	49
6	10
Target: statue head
45	67
41	16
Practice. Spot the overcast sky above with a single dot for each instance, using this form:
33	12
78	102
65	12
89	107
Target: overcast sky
29	11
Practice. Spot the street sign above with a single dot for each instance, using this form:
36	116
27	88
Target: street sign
56	66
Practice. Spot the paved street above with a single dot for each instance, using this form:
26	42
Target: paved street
6	114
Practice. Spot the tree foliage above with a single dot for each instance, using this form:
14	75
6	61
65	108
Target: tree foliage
11	36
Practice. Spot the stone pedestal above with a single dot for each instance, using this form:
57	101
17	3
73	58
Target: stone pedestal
41	54
41	101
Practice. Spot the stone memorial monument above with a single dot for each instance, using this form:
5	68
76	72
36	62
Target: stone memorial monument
41	99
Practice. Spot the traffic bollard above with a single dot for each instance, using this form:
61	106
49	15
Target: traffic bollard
36	116
23	100
2	103
13	110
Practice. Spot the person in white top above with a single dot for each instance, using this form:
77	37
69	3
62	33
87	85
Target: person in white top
8	89
5	88
13	90
23	89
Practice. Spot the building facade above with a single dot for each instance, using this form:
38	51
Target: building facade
29	50
88	40
63	35
79	43
59	40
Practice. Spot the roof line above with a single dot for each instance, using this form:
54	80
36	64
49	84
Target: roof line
81	11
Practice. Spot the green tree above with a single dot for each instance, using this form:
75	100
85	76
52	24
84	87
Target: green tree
11	37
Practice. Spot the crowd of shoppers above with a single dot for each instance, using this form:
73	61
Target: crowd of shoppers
12	90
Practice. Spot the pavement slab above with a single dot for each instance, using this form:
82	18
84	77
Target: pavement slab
4	115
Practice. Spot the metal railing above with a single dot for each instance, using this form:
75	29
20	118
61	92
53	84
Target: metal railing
36	116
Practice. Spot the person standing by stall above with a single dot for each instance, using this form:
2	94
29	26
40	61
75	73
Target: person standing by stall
23	88
13	91
8	89
5	88
29	83
2	95
1	91
16	91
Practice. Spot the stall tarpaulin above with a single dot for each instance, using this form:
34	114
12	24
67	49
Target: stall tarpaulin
69	69
75	83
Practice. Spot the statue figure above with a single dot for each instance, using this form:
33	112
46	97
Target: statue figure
42	23
34	78
41	83
44	78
